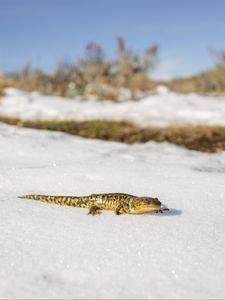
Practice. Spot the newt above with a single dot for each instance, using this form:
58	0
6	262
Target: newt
117	202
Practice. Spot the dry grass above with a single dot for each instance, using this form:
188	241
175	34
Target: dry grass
129	69
210	82
4	83
201	138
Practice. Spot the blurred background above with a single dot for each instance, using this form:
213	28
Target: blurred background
59	47
116	51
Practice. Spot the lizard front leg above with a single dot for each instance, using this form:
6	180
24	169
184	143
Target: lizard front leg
118	209
93	210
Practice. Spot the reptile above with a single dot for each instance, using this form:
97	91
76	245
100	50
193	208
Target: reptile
118	202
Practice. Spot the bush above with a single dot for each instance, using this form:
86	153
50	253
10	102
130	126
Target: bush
129	70
210	82
5	82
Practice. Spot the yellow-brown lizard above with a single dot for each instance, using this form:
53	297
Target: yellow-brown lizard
118	202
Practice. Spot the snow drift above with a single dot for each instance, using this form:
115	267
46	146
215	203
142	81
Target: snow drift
162	109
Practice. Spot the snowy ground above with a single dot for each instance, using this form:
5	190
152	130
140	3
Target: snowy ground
162	109
50	251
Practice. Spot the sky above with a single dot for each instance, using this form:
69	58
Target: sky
47	32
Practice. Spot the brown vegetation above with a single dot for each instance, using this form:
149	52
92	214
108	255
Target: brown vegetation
201	138
94	74
129	70
209	82
4	83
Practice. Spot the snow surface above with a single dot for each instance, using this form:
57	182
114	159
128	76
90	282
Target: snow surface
161	109
51	251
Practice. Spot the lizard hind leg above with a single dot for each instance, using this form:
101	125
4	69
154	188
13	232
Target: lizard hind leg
94	210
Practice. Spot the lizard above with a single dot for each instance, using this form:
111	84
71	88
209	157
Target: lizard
118	202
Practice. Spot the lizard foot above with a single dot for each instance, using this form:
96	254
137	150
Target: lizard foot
94	211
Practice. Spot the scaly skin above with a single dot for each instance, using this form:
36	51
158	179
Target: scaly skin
118	202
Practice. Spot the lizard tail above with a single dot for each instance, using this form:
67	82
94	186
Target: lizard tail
61	200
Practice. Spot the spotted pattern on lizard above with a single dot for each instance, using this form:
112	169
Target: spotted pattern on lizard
117	202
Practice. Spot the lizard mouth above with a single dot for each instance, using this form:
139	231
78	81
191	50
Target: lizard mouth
149	208
162	209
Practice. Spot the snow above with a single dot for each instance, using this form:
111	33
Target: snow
160	109
51	251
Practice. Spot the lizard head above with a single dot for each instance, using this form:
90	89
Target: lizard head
143	204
